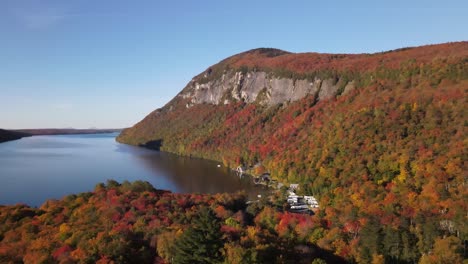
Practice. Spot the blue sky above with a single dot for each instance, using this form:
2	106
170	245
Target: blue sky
109	63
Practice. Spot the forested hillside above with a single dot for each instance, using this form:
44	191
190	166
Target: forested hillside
380	139
134	223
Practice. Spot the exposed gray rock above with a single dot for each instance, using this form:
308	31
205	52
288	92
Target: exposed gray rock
328	89
253	84
281	90
261	88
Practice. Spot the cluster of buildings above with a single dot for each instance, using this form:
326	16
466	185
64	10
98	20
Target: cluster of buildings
298	203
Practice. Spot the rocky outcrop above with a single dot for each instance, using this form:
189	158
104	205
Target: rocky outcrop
260	87
269	76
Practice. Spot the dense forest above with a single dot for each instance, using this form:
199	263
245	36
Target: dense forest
135	223
387	160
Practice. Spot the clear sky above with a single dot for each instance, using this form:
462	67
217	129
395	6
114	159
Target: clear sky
108	63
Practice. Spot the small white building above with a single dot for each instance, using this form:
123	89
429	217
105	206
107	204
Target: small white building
310	200
293	199
298	201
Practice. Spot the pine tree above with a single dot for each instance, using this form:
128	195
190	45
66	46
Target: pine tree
370	241
201	242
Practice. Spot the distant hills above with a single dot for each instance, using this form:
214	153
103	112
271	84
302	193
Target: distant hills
67	131
8	135
379	138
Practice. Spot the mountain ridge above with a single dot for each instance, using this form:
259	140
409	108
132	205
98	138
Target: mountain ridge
246	77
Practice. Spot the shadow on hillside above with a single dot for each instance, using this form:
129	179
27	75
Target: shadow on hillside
330	257
153	144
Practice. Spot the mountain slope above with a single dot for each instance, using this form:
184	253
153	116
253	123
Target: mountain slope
379	138
270	82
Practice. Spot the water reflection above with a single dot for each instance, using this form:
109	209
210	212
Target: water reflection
38	168
195	175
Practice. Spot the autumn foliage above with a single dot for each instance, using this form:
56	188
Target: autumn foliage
387	161
134	223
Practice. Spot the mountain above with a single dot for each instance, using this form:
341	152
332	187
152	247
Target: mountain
379	139
241	109
8	135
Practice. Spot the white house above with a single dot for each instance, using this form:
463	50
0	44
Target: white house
310	200
293	199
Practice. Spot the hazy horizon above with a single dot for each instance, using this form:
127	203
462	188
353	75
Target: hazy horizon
75	128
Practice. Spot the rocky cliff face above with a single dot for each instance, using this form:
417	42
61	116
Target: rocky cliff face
270	76
262	88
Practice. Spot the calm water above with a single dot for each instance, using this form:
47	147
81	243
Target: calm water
38	168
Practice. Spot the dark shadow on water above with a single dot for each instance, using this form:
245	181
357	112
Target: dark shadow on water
194	175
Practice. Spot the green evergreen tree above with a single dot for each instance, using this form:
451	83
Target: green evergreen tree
201	242
370	241
409	252
392	245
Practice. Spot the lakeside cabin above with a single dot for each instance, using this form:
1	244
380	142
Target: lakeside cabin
297	200
293	199
297	203
240	170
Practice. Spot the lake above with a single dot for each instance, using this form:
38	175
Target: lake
38	168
